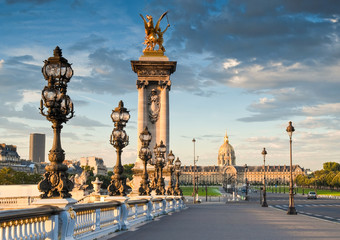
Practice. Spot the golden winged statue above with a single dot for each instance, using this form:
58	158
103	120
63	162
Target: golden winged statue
154	34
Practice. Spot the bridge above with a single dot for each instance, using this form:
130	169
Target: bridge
169	218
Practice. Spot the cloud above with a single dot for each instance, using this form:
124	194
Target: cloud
1	63
82	121
28	1
88	43
230	63
110	72
322	109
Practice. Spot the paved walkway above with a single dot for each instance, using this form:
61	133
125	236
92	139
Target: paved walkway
241	220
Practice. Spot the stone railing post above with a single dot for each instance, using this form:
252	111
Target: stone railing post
97	224
149	206
164	203
173	204
67	220
124	212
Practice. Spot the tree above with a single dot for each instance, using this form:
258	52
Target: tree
331	166
336	180
329	178
128	170
8	177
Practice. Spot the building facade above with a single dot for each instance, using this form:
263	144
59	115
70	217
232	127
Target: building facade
8	153
96	163
227	173
37	147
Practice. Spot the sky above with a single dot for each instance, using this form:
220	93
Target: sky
246	67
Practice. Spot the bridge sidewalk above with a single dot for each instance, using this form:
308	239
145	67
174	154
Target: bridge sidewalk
242	220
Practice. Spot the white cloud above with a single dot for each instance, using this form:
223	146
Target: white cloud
230	63
1	63
266	100
31	96
322	109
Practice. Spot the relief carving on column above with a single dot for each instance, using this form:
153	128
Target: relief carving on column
165	84
153	72
141	84
154	106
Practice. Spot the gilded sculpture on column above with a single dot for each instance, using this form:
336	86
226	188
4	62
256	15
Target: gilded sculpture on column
154	34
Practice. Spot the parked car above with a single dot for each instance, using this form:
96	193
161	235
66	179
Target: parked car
311	195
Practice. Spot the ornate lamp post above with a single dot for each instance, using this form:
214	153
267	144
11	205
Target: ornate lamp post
264	203
171	158
160	162
145	155
58	72
245	173
291	209
119	140
178	191
194	177
155	173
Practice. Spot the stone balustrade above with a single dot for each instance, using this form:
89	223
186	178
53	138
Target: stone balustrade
84	221
33	223
7	202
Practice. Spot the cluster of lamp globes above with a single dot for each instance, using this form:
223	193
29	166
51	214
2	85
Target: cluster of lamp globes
158	161
58	72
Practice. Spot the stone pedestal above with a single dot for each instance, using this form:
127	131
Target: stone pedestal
153	86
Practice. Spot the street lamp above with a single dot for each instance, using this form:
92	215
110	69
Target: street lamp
119	140
245	175
160	162
195	192
171	158
58	72
264	203
193	179
291	209
145	155
178	191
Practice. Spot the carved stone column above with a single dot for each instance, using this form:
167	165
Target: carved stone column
142	115
164	114
153	86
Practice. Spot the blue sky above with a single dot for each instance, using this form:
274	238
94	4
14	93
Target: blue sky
244	66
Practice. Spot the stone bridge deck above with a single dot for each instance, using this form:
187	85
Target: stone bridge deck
241	220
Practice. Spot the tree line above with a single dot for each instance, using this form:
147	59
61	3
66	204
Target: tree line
9	177
328	177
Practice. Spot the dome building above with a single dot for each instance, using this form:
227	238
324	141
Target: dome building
226	154
230	176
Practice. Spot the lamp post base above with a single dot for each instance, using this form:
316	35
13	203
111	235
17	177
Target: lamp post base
291	211
264	204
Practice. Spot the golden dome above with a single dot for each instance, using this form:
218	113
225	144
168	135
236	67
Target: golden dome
226	153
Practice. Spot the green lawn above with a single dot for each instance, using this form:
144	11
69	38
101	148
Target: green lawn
320	191
306	190
212	191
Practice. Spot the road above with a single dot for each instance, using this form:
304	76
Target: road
326	209
316	219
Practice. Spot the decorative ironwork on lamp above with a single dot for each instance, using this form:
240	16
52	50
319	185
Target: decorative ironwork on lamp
119	140
178	191
160	163
58	72
171	158
145	154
